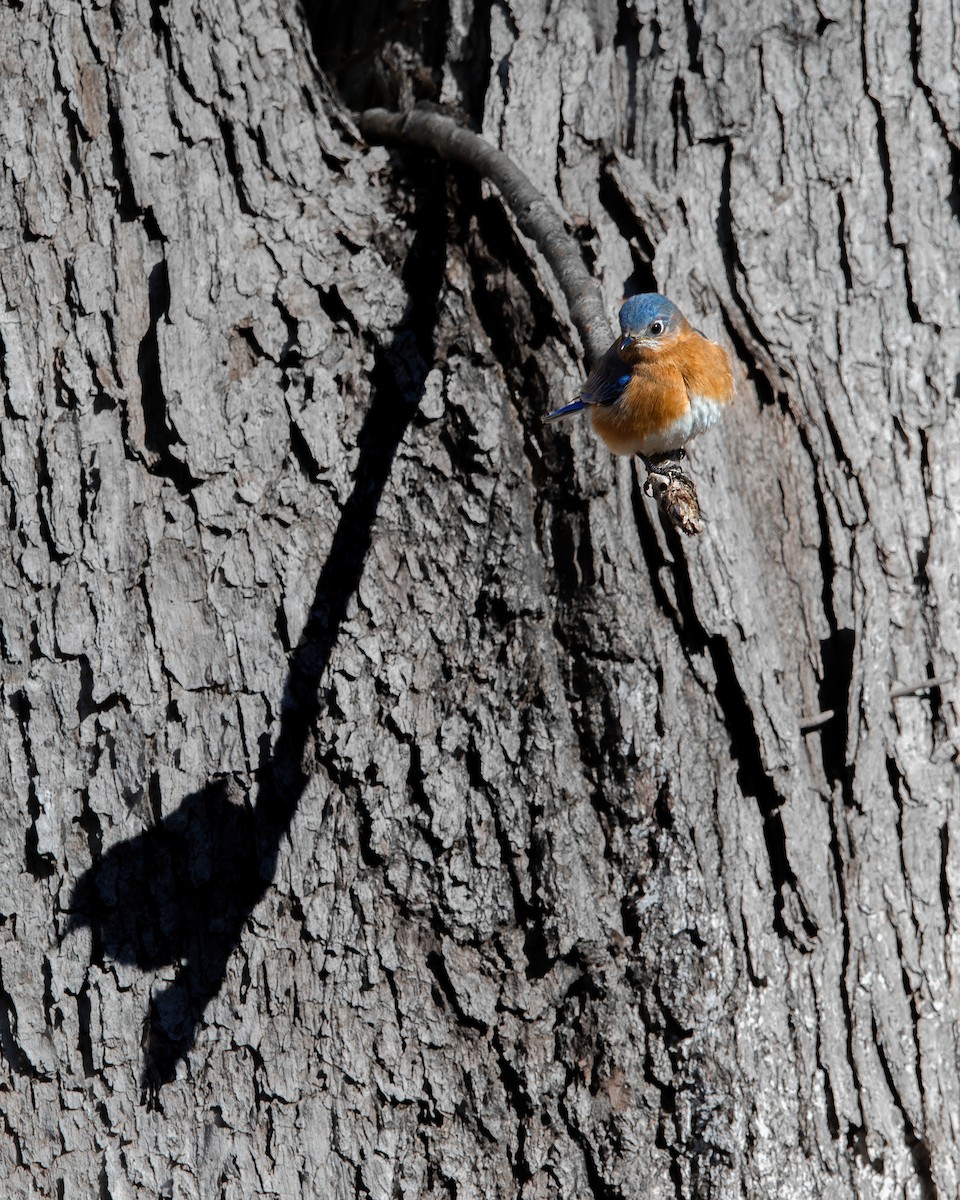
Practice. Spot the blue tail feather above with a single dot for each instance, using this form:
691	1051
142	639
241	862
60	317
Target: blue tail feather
560	413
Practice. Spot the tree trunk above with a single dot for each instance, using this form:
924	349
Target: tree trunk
392	805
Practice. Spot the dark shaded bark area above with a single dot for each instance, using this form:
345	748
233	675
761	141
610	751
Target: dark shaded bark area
391	806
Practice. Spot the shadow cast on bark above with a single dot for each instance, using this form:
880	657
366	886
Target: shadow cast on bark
182	891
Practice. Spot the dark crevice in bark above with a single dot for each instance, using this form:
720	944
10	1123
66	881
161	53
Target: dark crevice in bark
886	168
5	381
127	205
84	1038
530	916
246	334
732	264
833	693
758	980
752	776
693	38
642	247
917	1146
940	733
291	355
154	792
600	1189
843	459
44	503
754	780
909	990
303	455
104	401
234	169
668	1137
837	653
518	1098
148	609
842	240
833	1120
945	880
51	1014
839	873
40	866
953	147
89	822
761	372
11	1051
599	738
473	69
838	649
159	437
690	634
570	544
418	800
333	305
529	913
346	786
779	154
681	119
922	577
627	39
76	133
86	705
837	659
439	970
389	975
161	30
897	786
883	152
515	315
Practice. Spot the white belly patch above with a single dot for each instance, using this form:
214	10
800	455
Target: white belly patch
699	417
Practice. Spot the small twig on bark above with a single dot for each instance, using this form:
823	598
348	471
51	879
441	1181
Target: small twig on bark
914	689
807	724
427	129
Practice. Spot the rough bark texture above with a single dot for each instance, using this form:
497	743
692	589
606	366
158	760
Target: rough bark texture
390	807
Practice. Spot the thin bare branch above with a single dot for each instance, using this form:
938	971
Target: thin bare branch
427	129
537	218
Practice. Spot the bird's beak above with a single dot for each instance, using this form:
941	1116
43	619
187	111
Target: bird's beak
626	342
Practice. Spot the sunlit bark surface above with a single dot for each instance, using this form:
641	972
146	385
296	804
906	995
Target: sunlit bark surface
390	806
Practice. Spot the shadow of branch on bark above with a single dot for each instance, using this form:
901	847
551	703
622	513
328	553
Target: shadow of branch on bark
427	129
181	892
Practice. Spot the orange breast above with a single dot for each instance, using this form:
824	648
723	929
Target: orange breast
653	400
703	365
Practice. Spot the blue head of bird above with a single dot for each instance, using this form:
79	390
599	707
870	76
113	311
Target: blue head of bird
648	321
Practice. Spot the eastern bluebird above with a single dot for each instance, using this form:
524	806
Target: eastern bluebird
660	384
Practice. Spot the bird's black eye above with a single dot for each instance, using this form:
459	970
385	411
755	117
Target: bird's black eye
656	328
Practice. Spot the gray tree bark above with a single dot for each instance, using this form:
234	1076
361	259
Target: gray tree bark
391	806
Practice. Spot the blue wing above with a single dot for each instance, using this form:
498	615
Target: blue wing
604	386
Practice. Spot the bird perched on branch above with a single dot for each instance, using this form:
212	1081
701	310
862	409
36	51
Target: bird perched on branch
659	385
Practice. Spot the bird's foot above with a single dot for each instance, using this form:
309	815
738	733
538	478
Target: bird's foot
667	463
